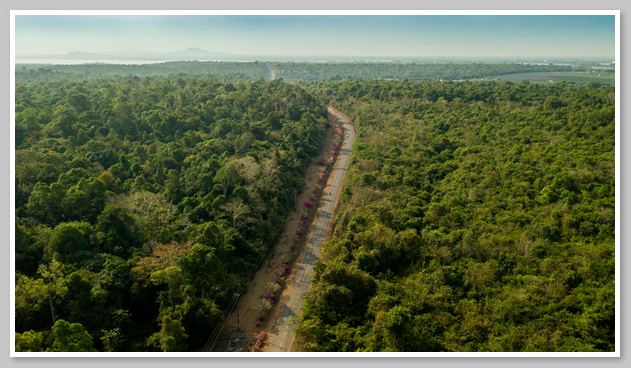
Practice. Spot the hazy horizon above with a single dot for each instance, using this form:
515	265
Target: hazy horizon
356	36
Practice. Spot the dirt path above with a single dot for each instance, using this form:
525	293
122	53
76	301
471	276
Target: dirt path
282	336
247	315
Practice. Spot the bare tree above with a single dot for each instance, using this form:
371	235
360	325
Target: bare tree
248	168
270	170
236	210
150	209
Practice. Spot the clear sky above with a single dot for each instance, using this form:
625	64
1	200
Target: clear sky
496	36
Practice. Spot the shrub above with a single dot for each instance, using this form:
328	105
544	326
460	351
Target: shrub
280	270
286	257
272	287
264	304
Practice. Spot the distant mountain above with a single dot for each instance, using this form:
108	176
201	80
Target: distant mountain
192	53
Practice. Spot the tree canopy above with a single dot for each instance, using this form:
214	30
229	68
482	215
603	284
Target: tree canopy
143	203
475	217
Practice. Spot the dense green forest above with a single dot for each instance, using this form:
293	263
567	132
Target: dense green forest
413	72
143	203
225	70
289	71
476	216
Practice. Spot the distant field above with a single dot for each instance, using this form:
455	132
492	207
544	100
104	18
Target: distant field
575	77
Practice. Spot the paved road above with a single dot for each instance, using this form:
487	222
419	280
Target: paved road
284	333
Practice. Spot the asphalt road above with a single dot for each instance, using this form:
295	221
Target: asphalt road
284	333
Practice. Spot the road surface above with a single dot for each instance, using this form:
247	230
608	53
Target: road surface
284	333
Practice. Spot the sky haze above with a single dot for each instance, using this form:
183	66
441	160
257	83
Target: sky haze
476	36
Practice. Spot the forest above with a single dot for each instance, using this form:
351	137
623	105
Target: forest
288	71
143	203
476	216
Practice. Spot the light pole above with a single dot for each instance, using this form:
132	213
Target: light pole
238	325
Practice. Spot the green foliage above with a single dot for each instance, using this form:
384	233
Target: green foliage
118	229
151	198
71	337
235	71
46	202
69	238
482	212
476	216
29	342
171	336
27	250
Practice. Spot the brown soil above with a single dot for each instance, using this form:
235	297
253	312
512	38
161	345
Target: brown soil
249	312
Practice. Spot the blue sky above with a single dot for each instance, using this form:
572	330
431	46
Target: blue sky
362	35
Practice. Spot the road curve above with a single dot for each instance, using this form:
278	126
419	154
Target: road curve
284	333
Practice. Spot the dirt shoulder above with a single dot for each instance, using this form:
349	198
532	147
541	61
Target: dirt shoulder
249	312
